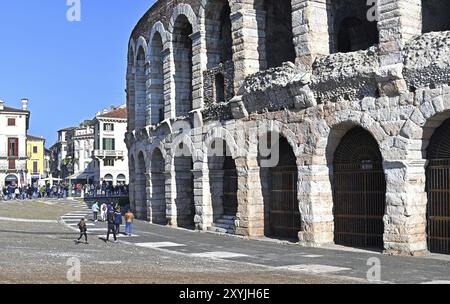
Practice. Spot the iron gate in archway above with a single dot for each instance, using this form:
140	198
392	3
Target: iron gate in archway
438	190
359	191
284	216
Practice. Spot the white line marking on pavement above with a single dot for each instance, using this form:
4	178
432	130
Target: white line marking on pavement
313	268
27	220
312	256
218	254
109	262
159	245
436	283
98	229
118	236
75	224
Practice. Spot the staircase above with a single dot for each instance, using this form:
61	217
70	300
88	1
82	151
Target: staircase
226	224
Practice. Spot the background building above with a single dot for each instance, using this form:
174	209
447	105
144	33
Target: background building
80	151
110	151
35	163
13	147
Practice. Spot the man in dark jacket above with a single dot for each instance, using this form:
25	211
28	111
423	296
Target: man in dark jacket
110	217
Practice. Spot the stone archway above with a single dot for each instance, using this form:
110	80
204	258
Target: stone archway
158	189
279	183
140	186
223	186
359	191
182	54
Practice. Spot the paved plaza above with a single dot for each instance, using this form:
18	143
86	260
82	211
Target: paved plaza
38	251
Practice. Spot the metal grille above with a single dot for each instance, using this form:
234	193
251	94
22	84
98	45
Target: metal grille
359	191
284	217
438	208
230	202
359	205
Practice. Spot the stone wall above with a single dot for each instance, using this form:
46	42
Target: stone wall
398	90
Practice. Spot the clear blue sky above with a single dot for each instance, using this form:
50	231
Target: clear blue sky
68	70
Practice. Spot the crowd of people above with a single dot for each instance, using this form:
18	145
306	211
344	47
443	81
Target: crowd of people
102	189
15	192
62	190
111	214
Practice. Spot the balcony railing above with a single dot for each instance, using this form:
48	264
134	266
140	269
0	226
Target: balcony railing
108	153
4	154
12	166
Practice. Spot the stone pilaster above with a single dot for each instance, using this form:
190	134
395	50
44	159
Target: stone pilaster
316	205
248	39
170	197
250	215
311	30
406	200
198	57
399	21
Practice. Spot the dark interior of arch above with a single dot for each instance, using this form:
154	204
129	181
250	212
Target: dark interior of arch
357	146
279	36
157	80
439	147
353	30
218	32
435	15
182	48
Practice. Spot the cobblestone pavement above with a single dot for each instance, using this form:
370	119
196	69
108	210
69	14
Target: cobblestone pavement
37	252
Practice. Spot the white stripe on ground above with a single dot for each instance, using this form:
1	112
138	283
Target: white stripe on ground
118	236
158	244
313	268
8	219
218	255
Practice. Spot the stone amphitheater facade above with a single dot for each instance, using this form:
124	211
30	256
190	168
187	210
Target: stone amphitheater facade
355	98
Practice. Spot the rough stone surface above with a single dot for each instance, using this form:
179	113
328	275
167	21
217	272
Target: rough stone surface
398	90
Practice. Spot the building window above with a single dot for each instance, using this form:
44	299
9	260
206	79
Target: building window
35	149
35	167
13	147
11	121
108	162
109	144
108	127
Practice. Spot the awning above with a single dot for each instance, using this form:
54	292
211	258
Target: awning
81	176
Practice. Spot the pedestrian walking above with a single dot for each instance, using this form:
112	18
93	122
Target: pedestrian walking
118	220
129	218
111	225
103	211
95	210
83	230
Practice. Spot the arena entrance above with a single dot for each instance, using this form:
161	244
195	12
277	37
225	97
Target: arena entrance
438	190
283	207
359	191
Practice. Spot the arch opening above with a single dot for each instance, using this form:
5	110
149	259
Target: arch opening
130	90
156	87
352	29
218	32
435	16
140	187
279	44
184	200
140	90
158	189
438	190
359	191
182	54
279	183
223	183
